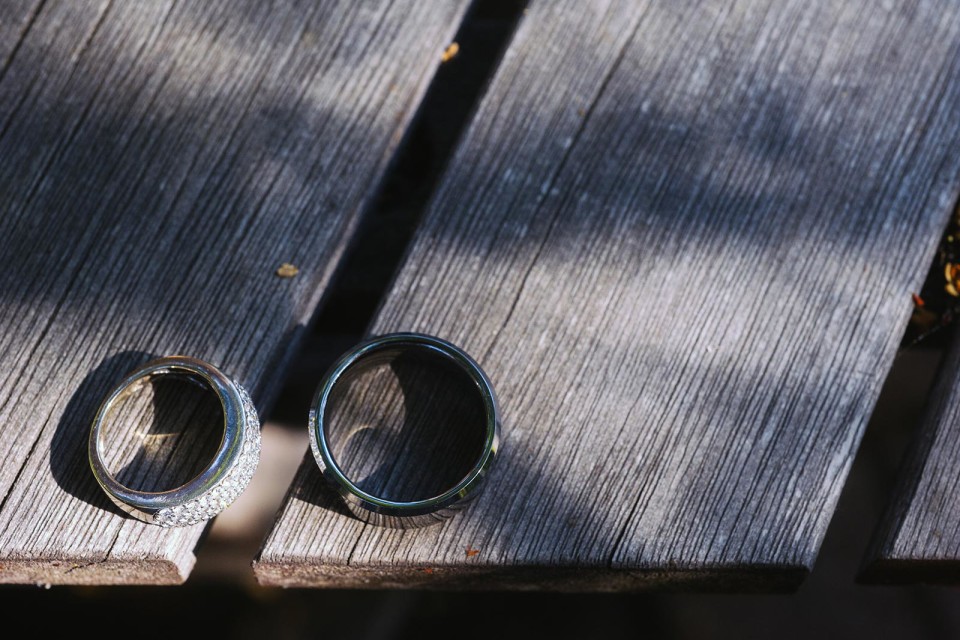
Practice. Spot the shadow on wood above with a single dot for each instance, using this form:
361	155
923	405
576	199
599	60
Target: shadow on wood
69	464
405	426
164	435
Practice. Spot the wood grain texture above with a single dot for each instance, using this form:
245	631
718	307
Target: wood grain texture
681	239
160	161
919	537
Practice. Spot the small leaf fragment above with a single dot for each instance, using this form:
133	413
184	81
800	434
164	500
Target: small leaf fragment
287	270
450	52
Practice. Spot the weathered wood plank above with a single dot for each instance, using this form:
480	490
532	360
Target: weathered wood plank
160	161
919	538
16	18
681	238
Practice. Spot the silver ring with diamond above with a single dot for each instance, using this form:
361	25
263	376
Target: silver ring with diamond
415	513
221	481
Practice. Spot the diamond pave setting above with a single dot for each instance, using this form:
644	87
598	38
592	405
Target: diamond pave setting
227	490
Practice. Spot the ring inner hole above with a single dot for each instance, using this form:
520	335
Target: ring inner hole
405	425
162	432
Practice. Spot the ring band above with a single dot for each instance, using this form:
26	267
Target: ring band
223	479
404	514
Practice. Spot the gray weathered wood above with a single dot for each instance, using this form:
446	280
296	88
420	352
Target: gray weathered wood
160	161
919	538
681	238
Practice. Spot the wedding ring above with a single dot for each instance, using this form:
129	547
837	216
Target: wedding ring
223	479
392	513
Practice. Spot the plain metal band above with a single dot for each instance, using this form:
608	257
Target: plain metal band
415	513
236	408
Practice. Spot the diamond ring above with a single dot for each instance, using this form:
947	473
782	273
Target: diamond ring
378	509
220	482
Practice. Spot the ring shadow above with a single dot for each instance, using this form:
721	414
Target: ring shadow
186	429
69	463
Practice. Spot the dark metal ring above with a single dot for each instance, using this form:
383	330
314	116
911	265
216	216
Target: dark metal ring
416	513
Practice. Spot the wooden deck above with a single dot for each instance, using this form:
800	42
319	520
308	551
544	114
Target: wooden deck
919	540
681	240
161	161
